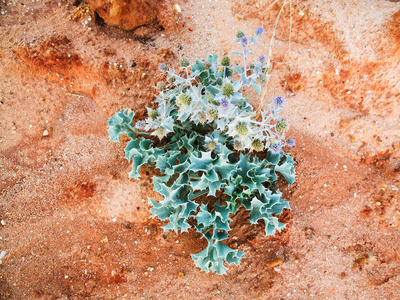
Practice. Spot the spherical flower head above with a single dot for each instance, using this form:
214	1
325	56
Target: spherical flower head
206	65
141	125
163	67
212	114
237	145
160	132
239	34
275	148
257	145
262	59
202	117
244	40
242	129
281	125
262	79
183	99
224	103
184	62
171	79
226	61
290	142
153	114
259	31
227	89
160	85
211	145
279	101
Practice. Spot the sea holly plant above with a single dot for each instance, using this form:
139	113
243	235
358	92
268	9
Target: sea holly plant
215	153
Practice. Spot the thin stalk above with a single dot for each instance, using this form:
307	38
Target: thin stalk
198	194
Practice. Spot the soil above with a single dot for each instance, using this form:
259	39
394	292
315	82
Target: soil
75	226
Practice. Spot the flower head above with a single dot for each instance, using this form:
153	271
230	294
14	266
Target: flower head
160	132
153	114
160	85
262	58
141	125
211	145
183	99
225	61
163	67
259	31
171	79
212	114
237	145
242	129
239	34
227	89
224	103
275	148
257	145
184	62
202	117
279	101
244	40
281	125
290	142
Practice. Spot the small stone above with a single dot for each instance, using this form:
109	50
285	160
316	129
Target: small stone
46	133
177	8
181	275
274	263
2	222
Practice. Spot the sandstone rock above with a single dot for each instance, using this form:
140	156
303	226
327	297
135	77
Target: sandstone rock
126	14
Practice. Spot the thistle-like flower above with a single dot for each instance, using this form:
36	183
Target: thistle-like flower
202	117
259	31
275	148
237	145
160	132
171	79
211	145
257	145
262	59
160	86
262	79
281	125
243	41
183	99
226	61
141	125
290	142
163	68
153	114
224	103
212	114
279	102
184	62
242	128
227	89
239	34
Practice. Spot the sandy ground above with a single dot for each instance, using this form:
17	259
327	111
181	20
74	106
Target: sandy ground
75	226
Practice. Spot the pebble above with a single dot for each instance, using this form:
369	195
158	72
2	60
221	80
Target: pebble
2	222
46	133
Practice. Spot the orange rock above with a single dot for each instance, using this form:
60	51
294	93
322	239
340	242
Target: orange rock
126	14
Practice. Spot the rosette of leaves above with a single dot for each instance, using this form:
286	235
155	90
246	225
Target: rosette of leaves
206	140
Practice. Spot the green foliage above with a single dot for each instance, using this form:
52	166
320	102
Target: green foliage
206	140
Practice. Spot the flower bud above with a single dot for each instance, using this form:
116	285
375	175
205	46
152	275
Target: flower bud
239	34
279	101
183	99
163	67
160	86
257	145
226	61
184	62
281	125
153	114
212	114
227	89
242	129
202	117
211	146
237	145
171	79
160	132
290	142
275	148
259	31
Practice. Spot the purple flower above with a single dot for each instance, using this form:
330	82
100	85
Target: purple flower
262	59
224	103
259	31
163	67
290	142
279	101
141	125
275	148
244	40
